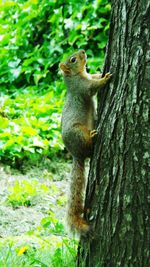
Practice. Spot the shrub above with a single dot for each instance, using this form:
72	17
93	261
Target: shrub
35	36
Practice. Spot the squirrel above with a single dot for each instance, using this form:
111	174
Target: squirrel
77	125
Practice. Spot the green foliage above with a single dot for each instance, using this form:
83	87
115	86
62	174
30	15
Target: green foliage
46	242
35	36
30	124
25	193
51	225
47	246
38	252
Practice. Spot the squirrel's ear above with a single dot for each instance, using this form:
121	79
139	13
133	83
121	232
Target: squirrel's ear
64	68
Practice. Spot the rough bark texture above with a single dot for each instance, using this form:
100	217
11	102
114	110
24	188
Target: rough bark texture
117	191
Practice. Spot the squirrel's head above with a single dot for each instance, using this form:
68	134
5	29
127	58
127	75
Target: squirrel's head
75	64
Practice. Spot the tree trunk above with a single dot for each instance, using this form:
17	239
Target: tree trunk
117	191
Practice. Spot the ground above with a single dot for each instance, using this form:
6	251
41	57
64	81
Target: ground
17	221
33	230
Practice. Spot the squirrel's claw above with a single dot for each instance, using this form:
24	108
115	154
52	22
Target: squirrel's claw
108	75
93	133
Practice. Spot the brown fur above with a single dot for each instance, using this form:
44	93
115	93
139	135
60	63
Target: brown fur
76	200
78	128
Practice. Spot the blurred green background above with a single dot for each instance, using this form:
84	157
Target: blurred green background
35	36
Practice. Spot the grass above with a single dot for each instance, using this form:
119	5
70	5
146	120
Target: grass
46	243
25	251
25	193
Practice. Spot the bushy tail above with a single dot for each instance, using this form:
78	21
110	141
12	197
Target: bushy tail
76	199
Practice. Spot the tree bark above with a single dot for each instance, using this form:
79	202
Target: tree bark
117	190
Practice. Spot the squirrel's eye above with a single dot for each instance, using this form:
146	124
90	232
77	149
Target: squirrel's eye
73	59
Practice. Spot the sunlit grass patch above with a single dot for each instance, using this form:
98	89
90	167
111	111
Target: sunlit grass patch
25	193
28	251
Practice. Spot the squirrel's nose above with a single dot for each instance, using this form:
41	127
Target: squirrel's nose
82	54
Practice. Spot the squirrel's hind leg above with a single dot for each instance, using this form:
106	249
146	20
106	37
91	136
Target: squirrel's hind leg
84	140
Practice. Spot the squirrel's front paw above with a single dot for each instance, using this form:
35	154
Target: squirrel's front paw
107	76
